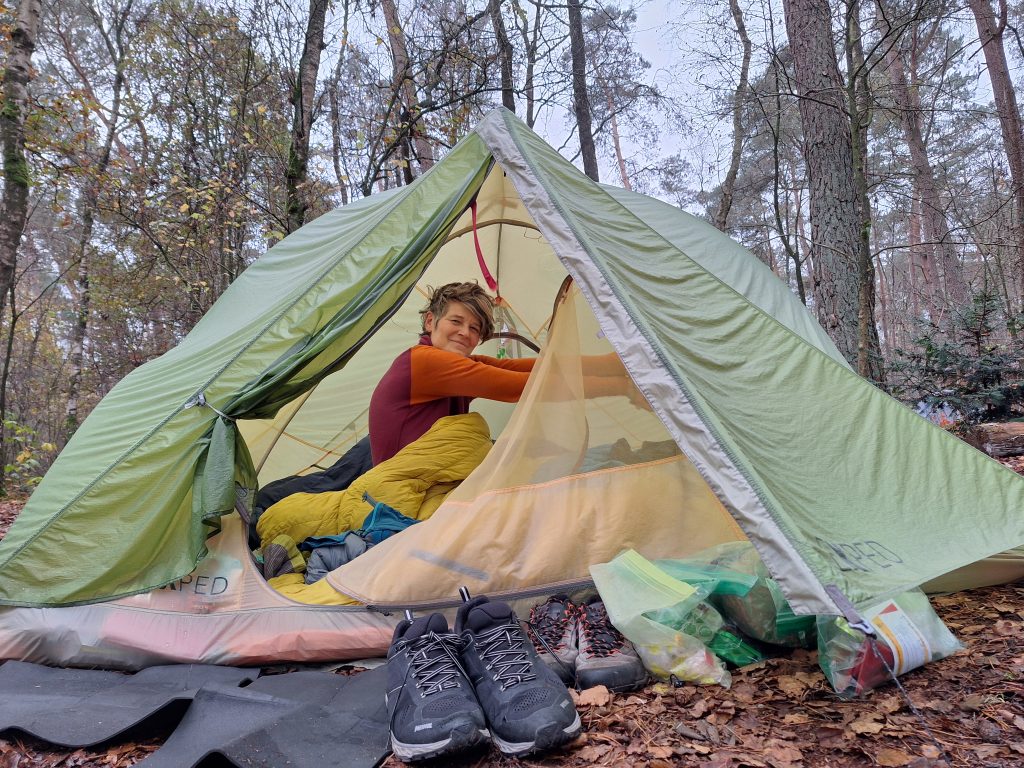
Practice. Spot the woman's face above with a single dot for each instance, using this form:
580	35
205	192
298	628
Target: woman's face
458	330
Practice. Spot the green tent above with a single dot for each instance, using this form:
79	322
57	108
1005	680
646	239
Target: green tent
846	494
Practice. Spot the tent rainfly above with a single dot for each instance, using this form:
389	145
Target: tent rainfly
132	552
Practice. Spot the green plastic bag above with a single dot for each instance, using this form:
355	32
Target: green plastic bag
745	594
649	607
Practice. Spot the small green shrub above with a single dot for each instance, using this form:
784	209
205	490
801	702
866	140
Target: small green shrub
975	369
25	469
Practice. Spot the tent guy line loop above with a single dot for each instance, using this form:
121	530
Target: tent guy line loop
850	613
199	399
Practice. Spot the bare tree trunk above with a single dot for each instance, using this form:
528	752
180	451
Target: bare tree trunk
728	186
828	151
114	42
933	217
800	225
508	96
581	100
613	124
14	204
869	351
883	306
409	113
913	247
991	34
782	224
302	113
335	107
530	37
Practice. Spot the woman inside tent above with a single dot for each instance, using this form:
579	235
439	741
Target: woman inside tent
420	409
440	376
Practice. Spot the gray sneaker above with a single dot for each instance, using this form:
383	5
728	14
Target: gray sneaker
552	628
528	708
431	705
605	656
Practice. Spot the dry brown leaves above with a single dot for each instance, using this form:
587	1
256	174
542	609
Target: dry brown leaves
1016	463
780	713
9	509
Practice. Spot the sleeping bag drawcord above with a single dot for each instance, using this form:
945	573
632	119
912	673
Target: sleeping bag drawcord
199	399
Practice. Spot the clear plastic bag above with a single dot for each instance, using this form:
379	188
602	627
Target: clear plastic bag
909	634
745	594
653	611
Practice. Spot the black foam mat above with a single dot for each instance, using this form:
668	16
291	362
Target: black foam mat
83	707
302	719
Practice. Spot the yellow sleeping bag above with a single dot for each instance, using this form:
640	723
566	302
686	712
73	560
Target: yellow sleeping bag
414	481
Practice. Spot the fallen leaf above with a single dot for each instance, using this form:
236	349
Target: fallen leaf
698	710
781	752
889	704
744	692
660	751
597	696
867	724
593	752
710	732
684	730
791	686
1005	628
796	719
891	758
749	761
985	751
973	702
931	751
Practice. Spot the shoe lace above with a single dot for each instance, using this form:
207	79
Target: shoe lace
547	629
602	638
502	651
434	662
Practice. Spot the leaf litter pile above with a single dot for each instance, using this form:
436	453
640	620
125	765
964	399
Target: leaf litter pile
965	710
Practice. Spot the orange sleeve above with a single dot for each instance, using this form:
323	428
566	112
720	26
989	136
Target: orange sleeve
437	374
521	364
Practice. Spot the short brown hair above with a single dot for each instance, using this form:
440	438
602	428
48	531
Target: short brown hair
472	295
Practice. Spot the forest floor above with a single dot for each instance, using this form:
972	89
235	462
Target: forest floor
965	710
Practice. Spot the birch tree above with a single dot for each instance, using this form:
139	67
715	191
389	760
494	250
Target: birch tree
17	178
